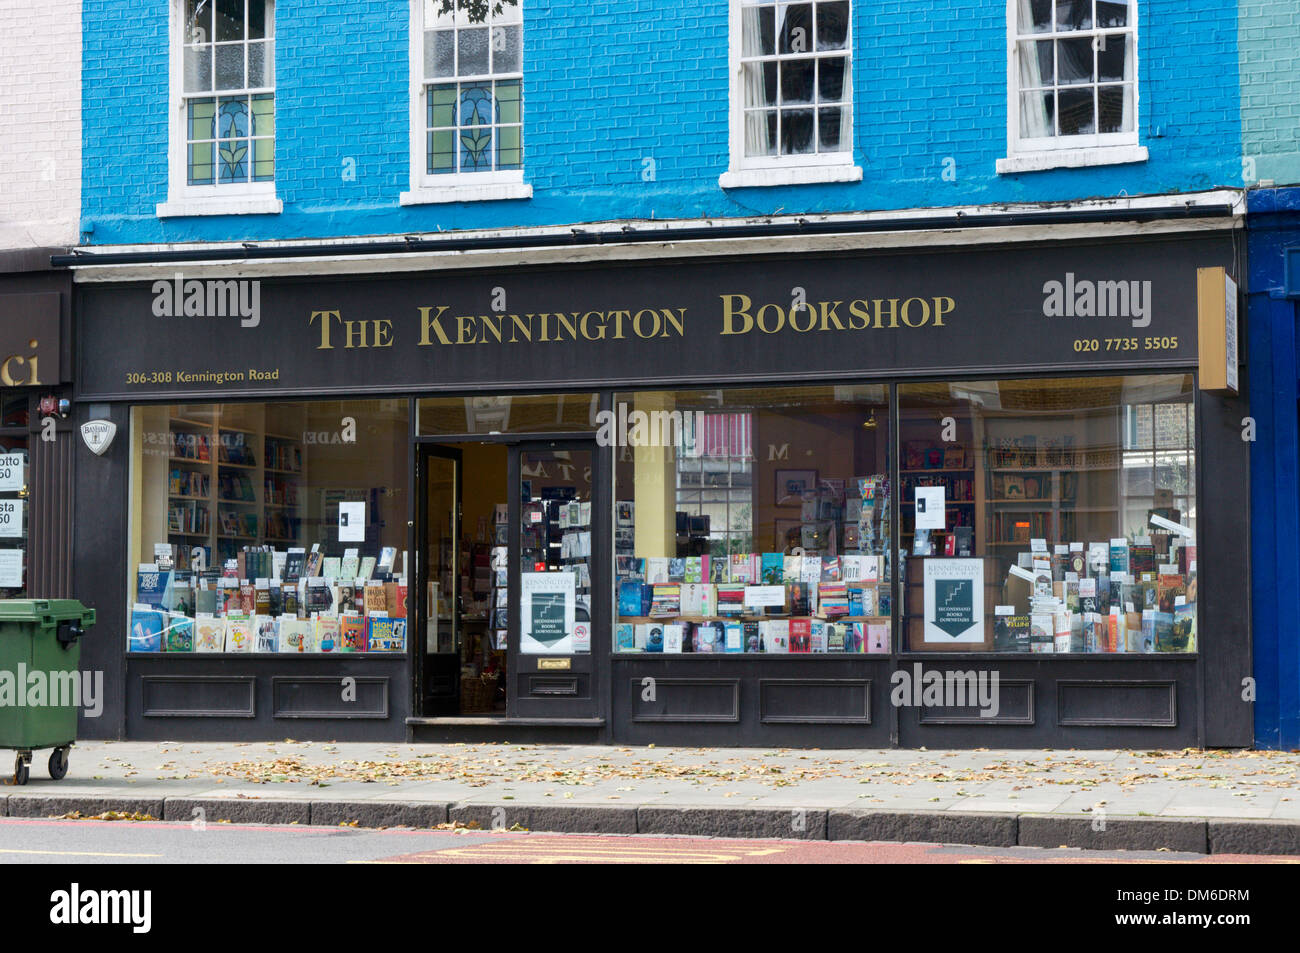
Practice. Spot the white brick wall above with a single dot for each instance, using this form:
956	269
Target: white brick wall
40	122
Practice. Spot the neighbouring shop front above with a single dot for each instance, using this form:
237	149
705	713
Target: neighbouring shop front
969	496
36	440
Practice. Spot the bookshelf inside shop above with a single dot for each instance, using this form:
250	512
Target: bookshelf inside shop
231	478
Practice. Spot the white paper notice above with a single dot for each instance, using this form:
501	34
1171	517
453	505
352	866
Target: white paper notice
764	596
11	568
12	472
929	507
352	521
11	518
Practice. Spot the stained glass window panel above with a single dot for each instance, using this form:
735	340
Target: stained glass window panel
508	101
509	155
200	163
442	151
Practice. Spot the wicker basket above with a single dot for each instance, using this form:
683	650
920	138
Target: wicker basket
477	693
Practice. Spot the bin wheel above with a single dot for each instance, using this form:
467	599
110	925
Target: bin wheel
58	763
20	770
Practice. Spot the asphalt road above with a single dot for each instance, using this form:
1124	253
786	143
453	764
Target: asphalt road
48	841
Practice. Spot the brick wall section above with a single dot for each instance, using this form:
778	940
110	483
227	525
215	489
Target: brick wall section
1269	49
40	122
612	83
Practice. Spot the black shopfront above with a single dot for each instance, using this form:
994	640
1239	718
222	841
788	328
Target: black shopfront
852	500
37	442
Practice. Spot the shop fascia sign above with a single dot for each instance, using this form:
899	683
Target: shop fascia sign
29	332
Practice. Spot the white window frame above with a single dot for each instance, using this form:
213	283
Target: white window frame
1026	154
757	171
427	189
183	199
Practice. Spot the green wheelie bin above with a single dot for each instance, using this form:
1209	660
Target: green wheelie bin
40	685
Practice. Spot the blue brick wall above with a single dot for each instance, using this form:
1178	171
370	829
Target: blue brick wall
1269	51
611	83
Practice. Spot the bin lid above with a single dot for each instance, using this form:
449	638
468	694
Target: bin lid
45	612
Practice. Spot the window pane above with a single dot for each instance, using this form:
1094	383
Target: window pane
264	115
263	160
14	412
442	106
256	19
812	535
760	84
198	21
758	29
439	53
1038	479
230	66
830	79
1113	62
198	69
796	28
796	131
262	484
760	133
201	163
508	101
1073	14
439	13
1111	13
1076	112
473	45
201	115
1073	61
832	25
1035	16
832	130
260	71
509	152
507	48
565	413
1036	64
230	20
1115	109
797	81
442	151
1037	114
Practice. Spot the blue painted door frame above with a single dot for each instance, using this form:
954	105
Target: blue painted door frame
1273	365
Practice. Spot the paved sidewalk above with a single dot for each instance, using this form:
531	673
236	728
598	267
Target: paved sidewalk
1206	801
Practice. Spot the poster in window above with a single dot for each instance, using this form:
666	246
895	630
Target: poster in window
546	612
954	602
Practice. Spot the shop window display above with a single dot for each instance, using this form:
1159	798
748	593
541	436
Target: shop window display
269	528
1049	516
752	521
